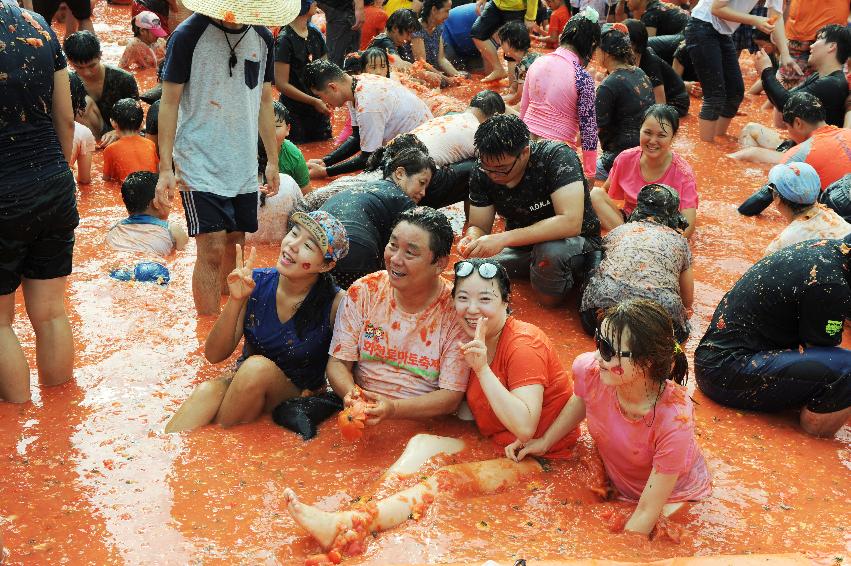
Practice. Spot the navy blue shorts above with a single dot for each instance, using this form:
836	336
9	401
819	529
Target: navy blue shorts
816	378
207	213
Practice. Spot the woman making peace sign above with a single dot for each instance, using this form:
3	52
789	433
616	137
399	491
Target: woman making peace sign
287	316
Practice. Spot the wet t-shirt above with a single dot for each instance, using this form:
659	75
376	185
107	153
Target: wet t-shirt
831	90
818	223
399	354
117	84
661	73
663	440
449	138
622	99
297	52
666	18
797	296
29	148
552	165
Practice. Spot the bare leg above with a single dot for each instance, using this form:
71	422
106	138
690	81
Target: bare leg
420	449
480	477
757	155
92	118
229	258
86	25
491	59
259	385
707	129
824	424
607	211
14	369
757	135
721	126
54	343
206	281
201	407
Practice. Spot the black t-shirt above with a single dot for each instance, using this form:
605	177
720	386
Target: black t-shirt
297	52
666	18
152	120
368	212
117	84
665	46
660	73
797	296
552	165
29	148
832	90
622	99
681	55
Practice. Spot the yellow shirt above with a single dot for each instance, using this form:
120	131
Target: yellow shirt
531	7
393	5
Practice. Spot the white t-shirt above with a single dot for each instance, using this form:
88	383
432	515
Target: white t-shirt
821	222
703	11
449	138
84	142
384	109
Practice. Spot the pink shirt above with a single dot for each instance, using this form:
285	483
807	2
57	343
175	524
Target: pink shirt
626	179
663	440
558	103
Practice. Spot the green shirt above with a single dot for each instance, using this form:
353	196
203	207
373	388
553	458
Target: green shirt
291	161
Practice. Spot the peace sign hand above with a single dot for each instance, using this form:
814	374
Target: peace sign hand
476	351
240	282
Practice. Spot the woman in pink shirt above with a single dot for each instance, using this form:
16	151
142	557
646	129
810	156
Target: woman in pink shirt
632	393
652	161
558	96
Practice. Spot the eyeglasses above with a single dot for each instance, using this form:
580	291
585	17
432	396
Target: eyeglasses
607	351
487	270
488	171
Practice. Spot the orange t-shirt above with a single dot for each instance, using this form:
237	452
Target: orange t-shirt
828	150
374	20
558	19
524	356
128	155
805	20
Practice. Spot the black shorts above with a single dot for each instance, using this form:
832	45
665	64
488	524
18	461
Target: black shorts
80	9
37	238
491	19
206	212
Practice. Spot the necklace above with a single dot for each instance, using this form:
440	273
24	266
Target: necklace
354	86
232	58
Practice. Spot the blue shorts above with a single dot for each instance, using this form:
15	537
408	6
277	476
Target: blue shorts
817	378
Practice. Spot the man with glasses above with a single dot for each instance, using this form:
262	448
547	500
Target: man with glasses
551	231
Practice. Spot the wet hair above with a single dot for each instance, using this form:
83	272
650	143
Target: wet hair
429	6
78	93
489	102
516	35
501	135
616	44
436	224
353	63
795	207
403	21
317	74
582	35
664	113
127	114
134	28
412	160
637	35
282	113
501	277
805	106
138	191
384	154
370	55
81	47
652	343
841	36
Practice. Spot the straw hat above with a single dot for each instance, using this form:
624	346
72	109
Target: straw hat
251	12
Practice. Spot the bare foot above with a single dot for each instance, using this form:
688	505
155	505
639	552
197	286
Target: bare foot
323	526
496	75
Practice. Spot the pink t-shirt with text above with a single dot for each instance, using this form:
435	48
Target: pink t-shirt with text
399	354
626	179
631	449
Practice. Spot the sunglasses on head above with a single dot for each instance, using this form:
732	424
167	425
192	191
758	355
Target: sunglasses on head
486	270
607	351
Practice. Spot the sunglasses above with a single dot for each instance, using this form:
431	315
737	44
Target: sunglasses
607	351
486	270
503	171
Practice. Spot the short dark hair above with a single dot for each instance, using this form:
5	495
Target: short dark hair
664	113
384	154
370	54
805	106
795	207
81	47
501	277
637	35
436	224
502	134
515	34
489	102
138	190
412	160
353	63
317	74
128	114
282	113
78	93
615	43
841	36
582	35
429	6
403	21
134	28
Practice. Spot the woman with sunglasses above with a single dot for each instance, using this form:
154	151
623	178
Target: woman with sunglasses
632	393
517	389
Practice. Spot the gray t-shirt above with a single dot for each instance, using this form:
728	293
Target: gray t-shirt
220	104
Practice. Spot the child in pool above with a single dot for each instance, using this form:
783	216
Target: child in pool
84	140
145	49
131	152
146	229
631	390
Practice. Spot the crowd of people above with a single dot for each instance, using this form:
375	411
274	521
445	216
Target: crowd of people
575	156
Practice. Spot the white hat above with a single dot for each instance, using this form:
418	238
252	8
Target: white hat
251	12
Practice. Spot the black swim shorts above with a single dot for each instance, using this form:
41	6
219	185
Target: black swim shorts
207	213
80	9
